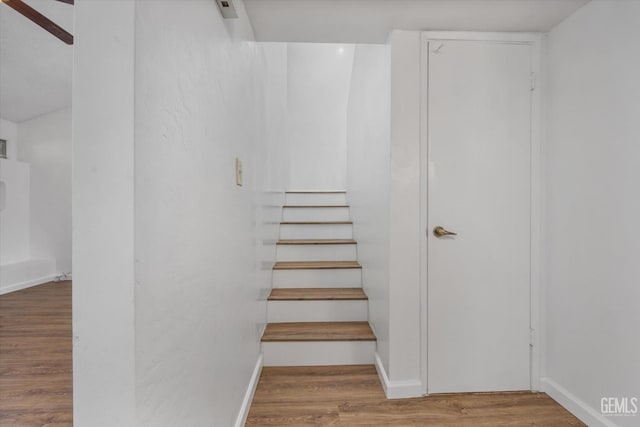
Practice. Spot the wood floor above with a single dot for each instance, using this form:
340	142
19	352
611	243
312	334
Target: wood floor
316	241
35	357
318	331
353	396
317	222
36	383
317	294
314	265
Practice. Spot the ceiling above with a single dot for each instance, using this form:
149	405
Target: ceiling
369	21
35	67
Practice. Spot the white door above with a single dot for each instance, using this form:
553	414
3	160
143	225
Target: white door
479	141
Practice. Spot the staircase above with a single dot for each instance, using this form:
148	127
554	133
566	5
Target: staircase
317	311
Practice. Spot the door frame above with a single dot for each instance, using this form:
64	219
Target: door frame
535	320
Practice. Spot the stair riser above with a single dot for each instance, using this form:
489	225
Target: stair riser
315	199
316	253
315	214
316	311
329	278
316	231
318	353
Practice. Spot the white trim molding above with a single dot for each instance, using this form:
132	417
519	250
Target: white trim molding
573	404
397	389
27	284
506	37
241	419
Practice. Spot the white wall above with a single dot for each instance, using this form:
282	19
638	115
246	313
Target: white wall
318	89
592	156
103	214
204	246
14	217
45	143
176	342
368	154
404	267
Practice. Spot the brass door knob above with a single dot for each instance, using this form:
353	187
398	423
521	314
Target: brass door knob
441	232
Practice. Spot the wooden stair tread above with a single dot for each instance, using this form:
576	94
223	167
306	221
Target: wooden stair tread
315	206
315	265
316	222
317	294
316	192
316	242
318	331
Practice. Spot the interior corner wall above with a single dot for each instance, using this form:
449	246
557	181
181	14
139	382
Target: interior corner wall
318	89
404	200
368	153
592	240
205	95
103	214
45	144
9	132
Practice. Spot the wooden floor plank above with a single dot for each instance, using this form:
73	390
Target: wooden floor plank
314	206
315	265
317	294
353	396
36	383
316	242
35	357
318	331
316	222
317	192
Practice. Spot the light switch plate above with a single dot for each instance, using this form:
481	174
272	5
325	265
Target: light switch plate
238	172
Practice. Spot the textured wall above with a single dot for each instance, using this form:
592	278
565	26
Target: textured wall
103	215
204	246
368	180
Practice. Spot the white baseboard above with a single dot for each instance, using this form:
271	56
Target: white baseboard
28	284
573	404
397	389
248	397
